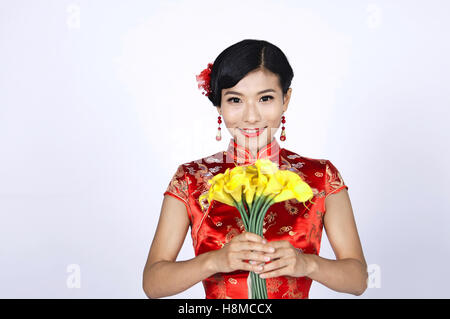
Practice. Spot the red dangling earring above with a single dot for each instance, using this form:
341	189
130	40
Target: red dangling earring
219	130
283	132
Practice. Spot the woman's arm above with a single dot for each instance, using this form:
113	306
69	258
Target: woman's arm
163	276
348	273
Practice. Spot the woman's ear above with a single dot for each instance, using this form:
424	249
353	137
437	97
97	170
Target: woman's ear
219	110
287	97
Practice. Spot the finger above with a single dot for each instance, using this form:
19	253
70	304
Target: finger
274	273
276	264
258	263
275	269
248	267
278	253
279	244
248	236
246	245
252	256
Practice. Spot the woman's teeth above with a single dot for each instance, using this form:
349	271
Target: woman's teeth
252	132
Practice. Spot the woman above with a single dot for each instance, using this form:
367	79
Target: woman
249	84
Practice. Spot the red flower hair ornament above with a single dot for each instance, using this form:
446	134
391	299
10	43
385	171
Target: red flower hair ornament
204	80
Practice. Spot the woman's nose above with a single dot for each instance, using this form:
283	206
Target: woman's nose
251	113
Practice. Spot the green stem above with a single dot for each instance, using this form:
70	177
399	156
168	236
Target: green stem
241	210
252	212
255	291
244	216
261	288
254	286
262	292
263	212
256	280
265	290
246	212
255	213
251	280
258	284
247	209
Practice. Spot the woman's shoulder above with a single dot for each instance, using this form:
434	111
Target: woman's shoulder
319	169
215	159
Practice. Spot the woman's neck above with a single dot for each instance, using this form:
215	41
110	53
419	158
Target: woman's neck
253	146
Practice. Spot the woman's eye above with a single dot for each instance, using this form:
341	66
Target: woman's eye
236	99
267	96
232	99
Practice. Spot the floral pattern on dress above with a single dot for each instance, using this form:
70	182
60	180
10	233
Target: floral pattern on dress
292	292
334	180
273	285
178	185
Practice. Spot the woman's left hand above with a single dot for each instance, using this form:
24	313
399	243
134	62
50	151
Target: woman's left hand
286	260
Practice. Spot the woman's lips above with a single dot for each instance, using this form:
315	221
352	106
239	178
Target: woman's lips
252	132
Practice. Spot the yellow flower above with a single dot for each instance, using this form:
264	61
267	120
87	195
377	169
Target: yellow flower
266	167
273	186
263	172
216	191
292	187
250	190
236	183
261	179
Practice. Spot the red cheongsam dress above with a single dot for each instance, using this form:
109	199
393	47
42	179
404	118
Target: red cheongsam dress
215	225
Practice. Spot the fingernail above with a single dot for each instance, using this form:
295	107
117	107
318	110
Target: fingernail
251	262
272	249
259	268
267	258
264	241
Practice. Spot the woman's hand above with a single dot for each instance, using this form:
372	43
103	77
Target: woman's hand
235	254
285	261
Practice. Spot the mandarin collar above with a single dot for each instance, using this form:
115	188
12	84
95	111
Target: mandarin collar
240	155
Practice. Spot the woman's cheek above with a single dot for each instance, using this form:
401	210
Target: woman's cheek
233	118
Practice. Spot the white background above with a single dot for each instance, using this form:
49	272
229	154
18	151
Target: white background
99	105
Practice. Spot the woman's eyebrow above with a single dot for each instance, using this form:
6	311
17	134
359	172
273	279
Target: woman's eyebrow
237	93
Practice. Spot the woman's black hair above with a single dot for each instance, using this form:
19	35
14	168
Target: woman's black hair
236	61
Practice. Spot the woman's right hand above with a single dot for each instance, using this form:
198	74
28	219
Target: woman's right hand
234	254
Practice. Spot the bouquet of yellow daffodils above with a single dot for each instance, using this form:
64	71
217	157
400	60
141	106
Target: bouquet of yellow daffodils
252	189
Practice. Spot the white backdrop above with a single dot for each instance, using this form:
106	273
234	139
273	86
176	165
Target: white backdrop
99	105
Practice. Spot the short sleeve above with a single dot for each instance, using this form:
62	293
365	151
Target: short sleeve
334	182
178	188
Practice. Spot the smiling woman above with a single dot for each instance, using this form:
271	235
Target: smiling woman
250	87
249	84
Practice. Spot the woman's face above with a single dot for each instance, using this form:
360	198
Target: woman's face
252	109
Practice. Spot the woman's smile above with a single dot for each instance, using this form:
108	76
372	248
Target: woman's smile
252	132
